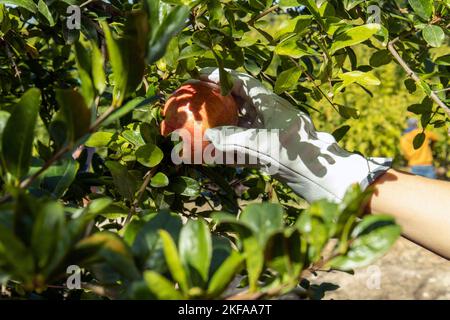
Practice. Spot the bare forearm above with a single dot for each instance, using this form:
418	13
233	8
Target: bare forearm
420	206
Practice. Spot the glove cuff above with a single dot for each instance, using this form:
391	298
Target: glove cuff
377	167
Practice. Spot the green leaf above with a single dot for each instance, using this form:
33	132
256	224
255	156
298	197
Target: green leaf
196	250
264	219
159	180
288	3
284	255
410	85
362	78
287	80
134	137
293	48
226	81
423	8
27	4
43	9
225	274
443	61
14	252
99	139
372	238
254	260
173	261
173	23
191	52
98	73
75	112
149	155
4	116
58	178
128	107
127	55
148	245
18	135
354	36
161	287
84	65
107	247
48	230
185	186
419	139
312	7
433	35
339	133
126	183
380	58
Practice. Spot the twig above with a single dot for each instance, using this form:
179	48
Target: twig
311	79
414	76
252	21
137	200
442	90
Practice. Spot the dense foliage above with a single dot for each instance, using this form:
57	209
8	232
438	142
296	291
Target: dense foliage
135	223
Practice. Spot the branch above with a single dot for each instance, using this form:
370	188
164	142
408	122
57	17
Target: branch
414	76
252	21
134	206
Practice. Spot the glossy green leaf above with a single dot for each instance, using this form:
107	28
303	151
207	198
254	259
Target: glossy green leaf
18	135
126	183
173	23
423	8
58	178
84	64
354	36
99	139
373	237
159	180
380	58
161	287
107	247
4	116
264	219
48	230
433	35
43	9
225	274
147	245
174	261
293	48
14	252
287	80
419	140
98	73
76	113
27	4
128	107
127	55
149	155
185	186
195	247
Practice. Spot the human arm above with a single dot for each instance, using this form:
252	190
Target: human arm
420	206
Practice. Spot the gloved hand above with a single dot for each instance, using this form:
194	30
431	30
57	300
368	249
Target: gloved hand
287	145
